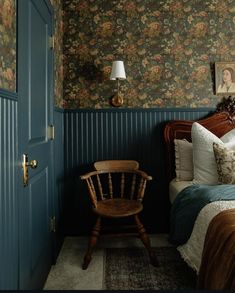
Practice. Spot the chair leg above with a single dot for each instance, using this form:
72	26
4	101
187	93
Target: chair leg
146	241
92	243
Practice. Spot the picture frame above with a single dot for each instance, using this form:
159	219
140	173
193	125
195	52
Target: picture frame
224	78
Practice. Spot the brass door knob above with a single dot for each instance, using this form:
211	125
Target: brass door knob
33	164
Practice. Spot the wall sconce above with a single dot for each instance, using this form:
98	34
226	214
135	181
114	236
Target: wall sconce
118	73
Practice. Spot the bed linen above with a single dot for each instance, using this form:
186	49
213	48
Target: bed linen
188	204
192	250
219	123
176	186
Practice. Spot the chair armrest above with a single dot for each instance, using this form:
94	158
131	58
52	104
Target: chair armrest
144	175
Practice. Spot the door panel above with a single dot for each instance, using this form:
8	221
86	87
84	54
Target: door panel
34	88
38	77
39	214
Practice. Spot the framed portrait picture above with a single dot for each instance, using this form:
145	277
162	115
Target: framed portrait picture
224	78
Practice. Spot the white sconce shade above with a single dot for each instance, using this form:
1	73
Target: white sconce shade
118	70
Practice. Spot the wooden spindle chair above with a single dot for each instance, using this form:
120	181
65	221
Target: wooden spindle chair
116	189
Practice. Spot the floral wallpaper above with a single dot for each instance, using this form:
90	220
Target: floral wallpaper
168	47
58	54
8	45
8	48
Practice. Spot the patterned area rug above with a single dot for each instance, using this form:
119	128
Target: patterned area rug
129	269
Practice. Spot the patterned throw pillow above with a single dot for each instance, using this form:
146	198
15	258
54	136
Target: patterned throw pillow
225	160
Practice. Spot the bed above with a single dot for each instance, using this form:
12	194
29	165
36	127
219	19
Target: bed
214	218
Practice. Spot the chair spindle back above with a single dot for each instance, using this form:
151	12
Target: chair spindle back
109	184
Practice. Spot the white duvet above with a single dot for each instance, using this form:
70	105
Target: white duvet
191	251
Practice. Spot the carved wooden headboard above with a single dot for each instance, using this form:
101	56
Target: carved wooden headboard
218	123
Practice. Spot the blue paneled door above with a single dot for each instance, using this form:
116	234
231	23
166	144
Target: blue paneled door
35	61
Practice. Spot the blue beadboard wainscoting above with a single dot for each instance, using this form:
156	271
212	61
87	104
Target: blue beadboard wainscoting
82	137
92	135
8	191
11	179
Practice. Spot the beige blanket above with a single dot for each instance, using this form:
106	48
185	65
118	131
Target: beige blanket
191	251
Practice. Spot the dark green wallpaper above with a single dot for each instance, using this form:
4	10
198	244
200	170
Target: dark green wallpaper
8	45
8	48
168	47
58	54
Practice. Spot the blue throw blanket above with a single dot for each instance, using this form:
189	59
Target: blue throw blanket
188	204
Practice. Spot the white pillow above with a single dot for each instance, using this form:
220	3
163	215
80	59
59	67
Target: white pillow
229	139
204	165
183	160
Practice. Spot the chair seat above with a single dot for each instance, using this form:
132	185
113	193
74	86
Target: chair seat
118	207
